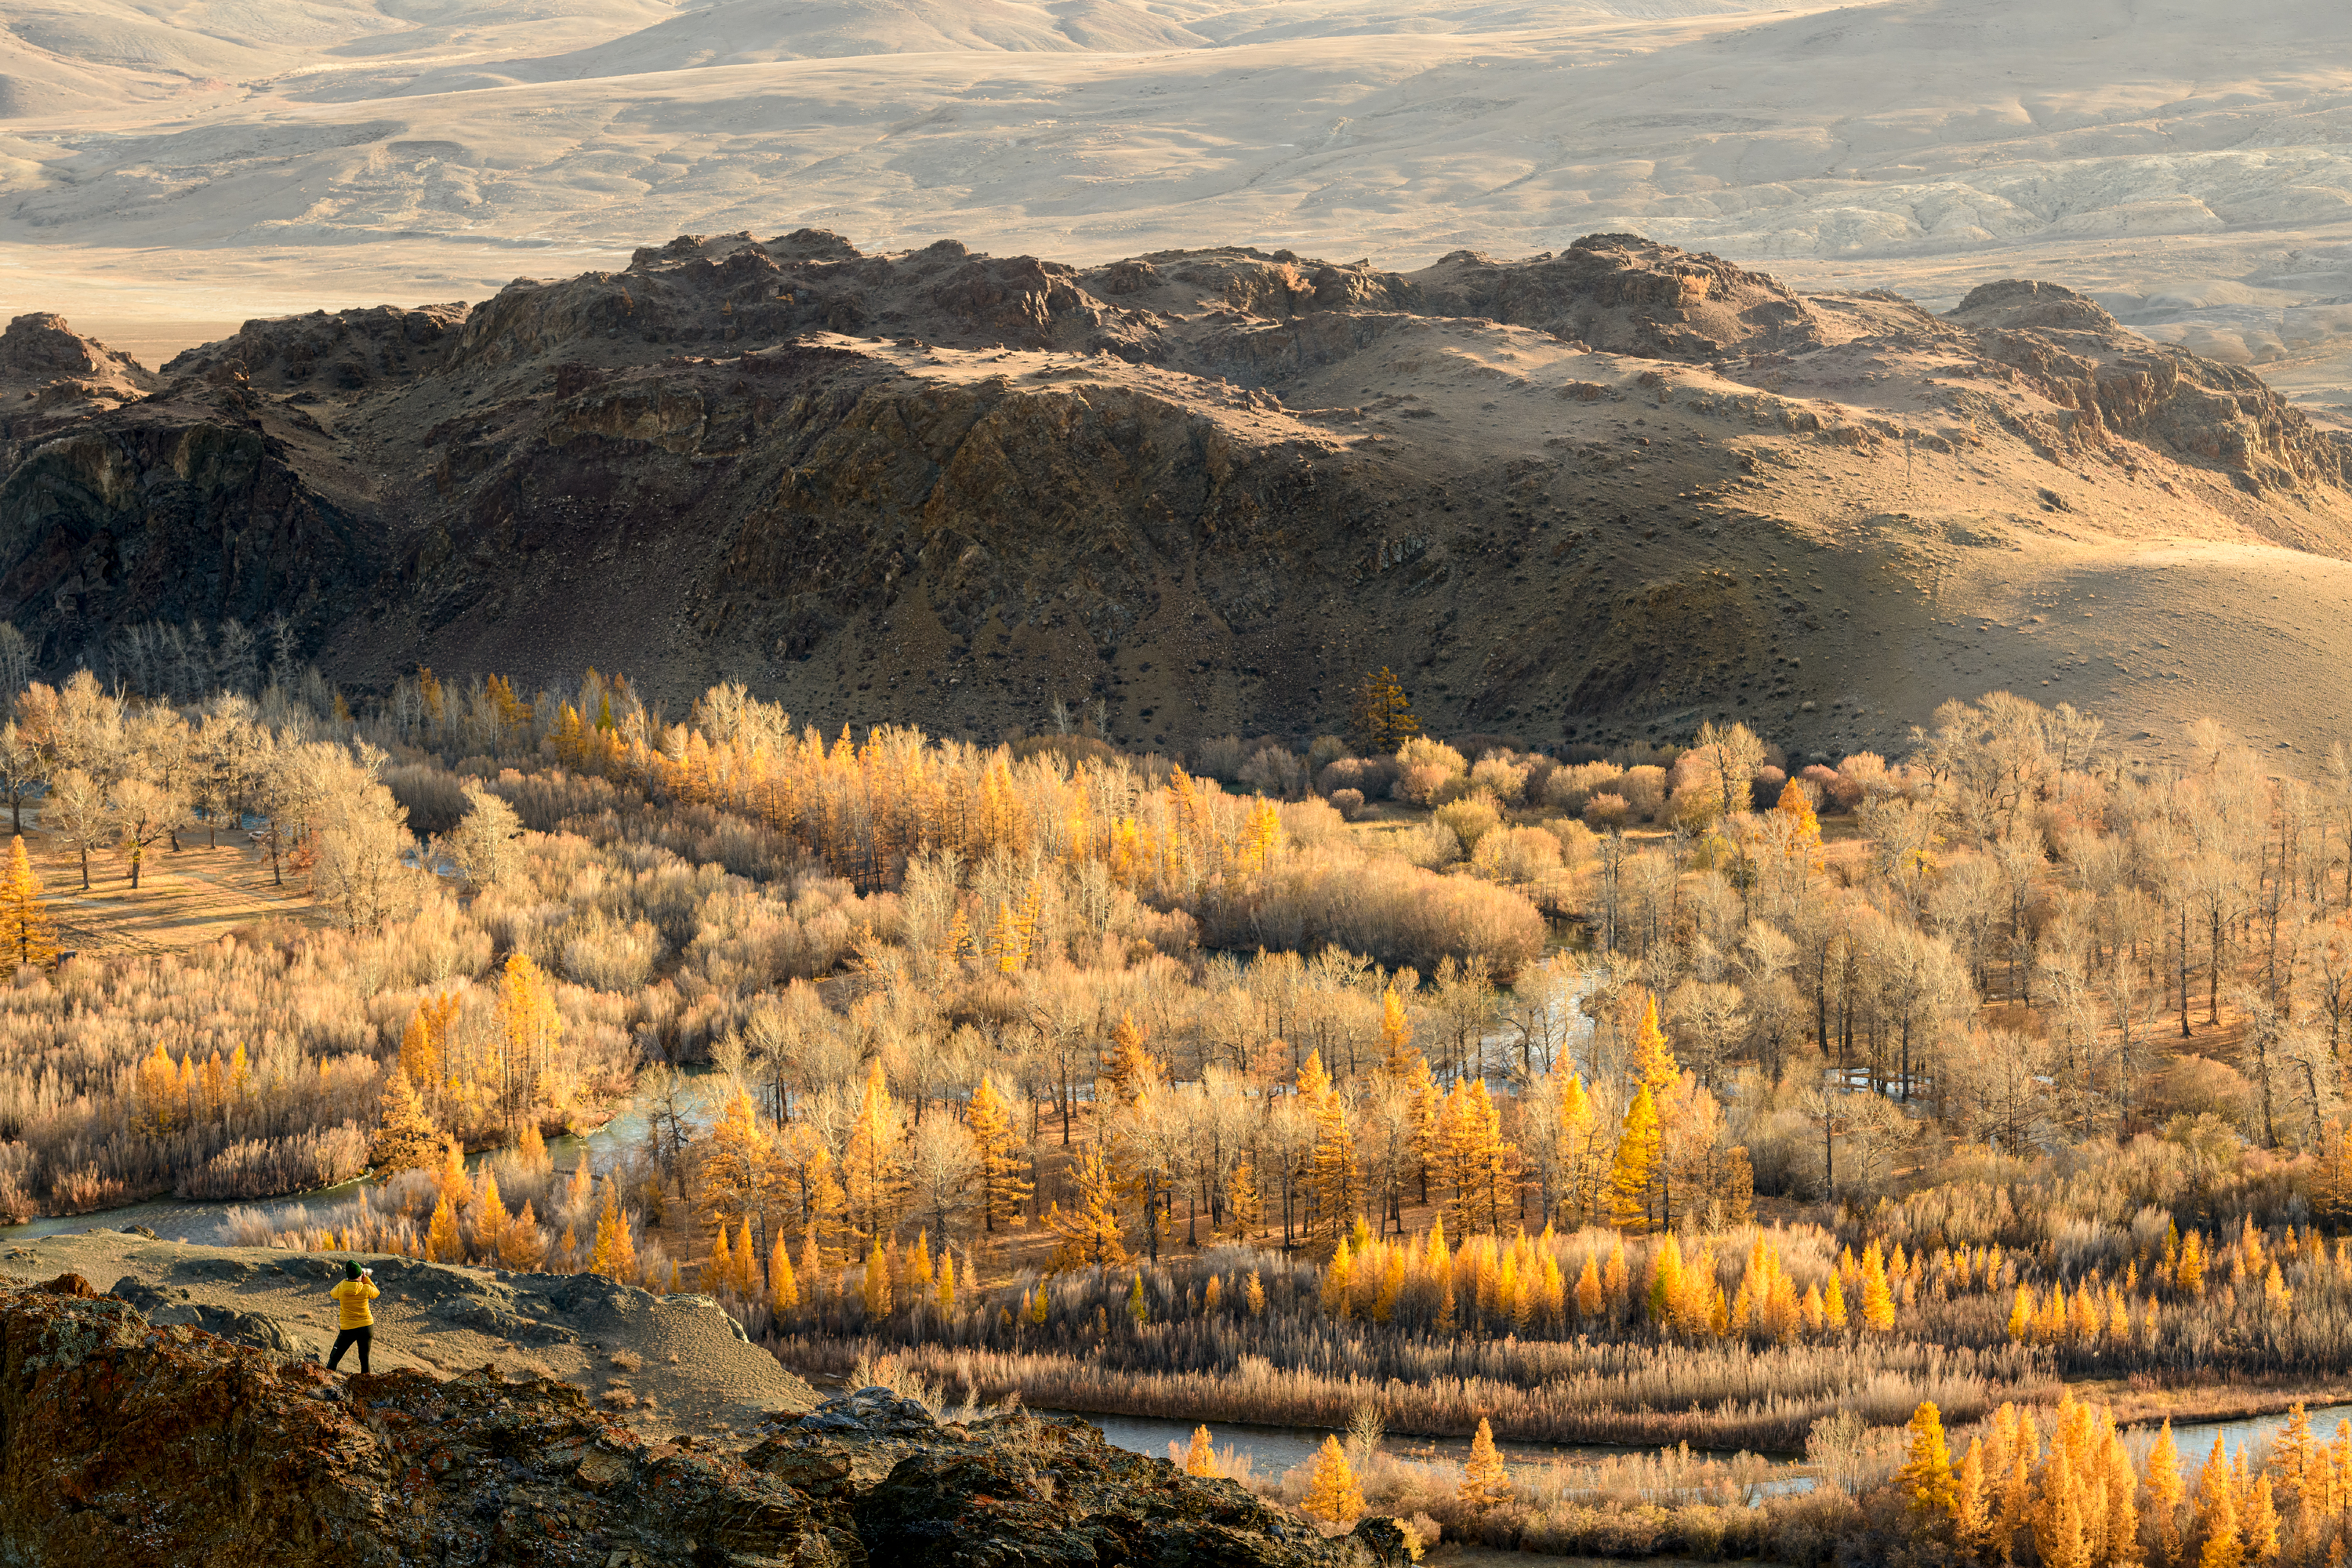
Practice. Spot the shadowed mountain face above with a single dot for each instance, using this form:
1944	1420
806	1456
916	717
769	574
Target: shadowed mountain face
1596	494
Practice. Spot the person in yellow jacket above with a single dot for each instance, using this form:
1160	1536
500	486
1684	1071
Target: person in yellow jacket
352	1295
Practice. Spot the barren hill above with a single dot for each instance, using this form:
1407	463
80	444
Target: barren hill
1589	494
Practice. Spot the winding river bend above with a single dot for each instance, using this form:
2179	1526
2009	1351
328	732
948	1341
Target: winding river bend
1270	1450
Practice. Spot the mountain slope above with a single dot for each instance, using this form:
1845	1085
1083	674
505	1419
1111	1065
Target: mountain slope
1595	494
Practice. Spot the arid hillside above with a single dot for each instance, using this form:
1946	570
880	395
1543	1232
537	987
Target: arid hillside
1577	497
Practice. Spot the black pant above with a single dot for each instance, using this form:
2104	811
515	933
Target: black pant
345	1340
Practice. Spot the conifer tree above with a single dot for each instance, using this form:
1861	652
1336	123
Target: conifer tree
1331	1169
490	1217
529	1028
1003	1190
1484	1481
613	1254
1589	1298
1637	1156
2165	1492
1129	1070
2217	1512
1833	1315
735	1165
2060	1528
878	1285
2259	1527
406	1139
783	1285
1926	1477
1382	720
1971	1512
442	1243
946	1285
27	933
1877	1299
873	1165
1199	1457
1654	1058
1090	1232
1332	1492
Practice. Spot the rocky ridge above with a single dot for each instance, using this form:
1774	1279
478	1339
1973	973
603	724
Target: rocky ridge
122	1438
1575	497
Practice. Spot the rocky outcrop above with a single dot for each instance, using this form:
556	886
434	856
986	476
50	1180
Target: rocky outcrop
123	1439
2122	386
1562	496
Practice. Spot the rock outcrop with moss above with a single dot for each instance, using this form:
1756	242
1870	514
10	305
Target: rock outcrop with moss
123	1441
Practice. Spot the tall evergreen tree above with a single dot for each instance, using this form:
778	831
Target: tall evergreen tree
1383	718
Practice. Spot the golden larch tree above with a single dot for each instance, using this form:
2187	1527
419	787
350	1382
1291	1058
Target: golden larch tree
1090	1232
1003	1189
25	927
873	1164
1484	1481
1332	1492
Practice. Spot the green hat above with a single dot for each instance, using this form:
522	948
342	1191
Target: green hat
350	1270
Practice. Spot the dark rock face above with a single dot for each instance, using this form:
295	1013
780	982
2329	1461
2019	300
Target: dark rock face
1018	1489
121	1440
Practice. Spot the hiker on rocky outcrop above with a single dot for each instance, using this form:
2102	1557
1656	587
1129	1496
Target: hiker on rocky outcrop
352	1295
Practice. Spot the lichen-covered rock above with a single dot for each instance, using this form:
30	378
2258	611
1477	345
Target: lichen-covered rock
123	1440
1020	1491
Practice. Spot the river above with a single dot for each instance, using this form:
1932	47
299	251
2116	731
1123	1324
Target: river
1271	1449
199	1221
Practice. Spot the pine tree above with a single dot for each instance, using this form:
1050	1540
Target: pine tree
1833	1304
406	1139
1382	720
1484	1481
1089	1233
1638	1145
1331	1491
946	1295
1200	1457
27	933
1926	1474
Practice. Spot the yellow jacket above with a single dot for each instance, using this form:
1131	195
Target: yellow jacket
353	1295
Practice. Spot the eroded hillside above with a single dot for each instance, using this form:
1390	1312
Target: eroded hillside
1582	496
